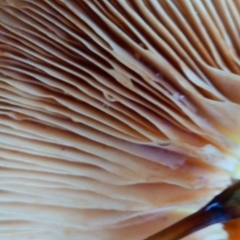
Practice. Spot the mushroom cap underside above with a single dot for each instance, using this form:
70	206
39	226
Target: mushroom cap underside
117	118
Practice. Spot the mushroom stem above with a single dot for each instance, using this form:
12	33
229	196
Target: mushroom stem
224	207
189	225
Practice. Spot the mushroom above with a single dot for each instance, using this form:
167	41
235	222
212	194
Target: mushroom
117	118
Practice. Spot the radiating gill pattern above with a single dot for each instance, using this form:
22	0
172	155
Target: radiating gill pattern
117	118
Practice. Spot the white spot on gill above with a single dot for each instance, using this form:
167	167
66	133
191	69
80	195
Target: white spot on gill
178	97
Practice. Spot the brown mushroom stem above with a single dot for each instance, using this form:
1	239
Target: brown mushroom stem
224	207
190	224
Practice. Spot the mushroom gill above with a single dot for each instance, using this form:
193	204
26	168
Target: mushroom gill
117	118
